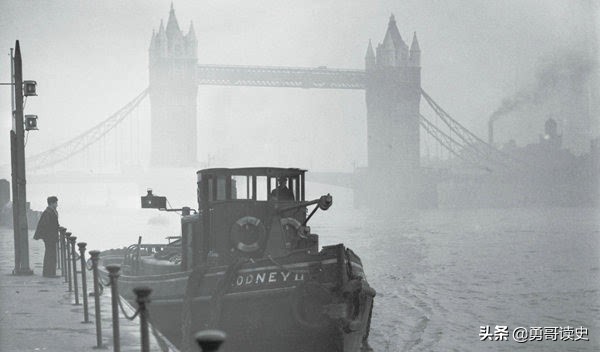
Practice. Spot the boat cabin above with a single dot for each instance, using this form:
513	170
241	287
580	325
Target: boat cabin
246	212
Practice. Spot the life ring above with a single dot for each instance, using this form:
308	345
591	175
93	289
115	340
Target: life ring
308	305
248	234
175	258
291	227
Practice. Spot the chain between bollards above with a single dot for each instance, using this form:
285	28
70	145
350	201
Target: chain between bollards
68	259
82	245
72	240
113	274
95	256
142	299
208	340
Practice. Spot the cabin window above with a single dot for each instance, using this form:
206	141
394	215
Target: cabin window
200	191
216	188
250	187
221	188
262	192
292	186
272	184
296	187
288	190
210	188
241	187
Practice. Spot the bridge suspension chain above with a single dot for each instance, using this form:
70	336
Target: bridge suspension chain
78	144
471	144
452	145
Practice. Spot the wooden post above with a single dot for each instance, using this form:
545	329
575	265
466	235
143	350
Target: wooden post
21	233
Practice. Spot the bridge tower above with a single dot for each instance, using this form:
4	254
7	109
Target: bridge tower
173	93
393	93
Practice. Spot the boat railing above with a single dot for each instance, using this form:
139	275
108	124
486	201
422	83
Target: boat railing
135	252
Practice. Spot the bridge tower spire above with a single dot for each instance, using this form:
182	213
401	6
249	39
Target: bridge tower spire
173	91
393	93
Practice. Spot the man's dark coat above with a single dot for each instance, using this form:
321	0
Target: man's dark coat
47	230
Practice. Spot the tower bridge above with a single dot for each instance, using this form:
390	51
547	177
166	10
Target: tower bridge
391	80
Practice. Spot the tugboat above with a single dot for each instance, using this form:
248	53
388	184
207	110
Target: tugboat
247	263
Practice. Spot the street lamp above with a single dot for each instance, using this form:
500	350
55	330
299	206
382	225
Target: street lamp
29	88
30	122
20	89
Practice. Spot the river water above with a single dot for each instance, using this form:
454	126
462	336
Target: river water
440	274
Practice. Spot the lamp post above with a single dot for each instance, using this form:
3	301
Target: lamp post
17	152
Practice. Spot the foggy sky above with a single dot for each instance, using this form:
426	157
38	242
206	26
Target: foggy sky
90	58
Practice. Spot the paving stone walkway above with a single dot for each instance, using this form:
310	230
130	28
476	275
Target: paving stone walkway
38	314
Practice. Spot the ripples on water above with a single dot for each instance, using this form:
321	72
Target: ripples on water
439	274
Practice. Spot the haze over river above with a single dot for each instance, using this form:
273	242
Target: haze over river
439	274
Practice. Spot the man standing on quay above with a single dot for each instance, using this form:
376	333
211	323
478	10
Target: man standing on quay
47	230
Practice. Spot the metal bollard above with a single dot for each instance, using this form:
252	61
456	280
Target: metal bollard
57	254
68	259
81	245
61	238
142	299
95	255
72	240
113	274
210	340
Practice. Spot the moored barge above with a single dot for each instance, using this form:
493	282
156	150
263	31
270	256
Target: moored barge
247	263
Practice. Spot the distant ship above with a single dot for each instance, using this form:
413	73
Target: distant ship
548	175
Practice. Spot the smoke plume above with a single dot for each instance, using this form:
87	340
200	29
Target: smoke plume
561	75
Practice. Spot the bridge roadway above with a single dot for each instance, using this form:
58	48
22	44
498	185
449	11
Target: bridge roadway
349	180
341	179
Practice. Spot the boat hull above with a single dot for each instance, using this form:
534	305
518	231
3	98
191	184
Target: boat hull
301	302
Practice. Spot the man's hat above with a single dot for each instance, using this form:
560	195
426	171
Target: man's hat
52	199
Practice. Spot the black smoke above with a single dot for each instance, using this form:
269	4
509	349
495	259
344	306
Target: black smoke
560	75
